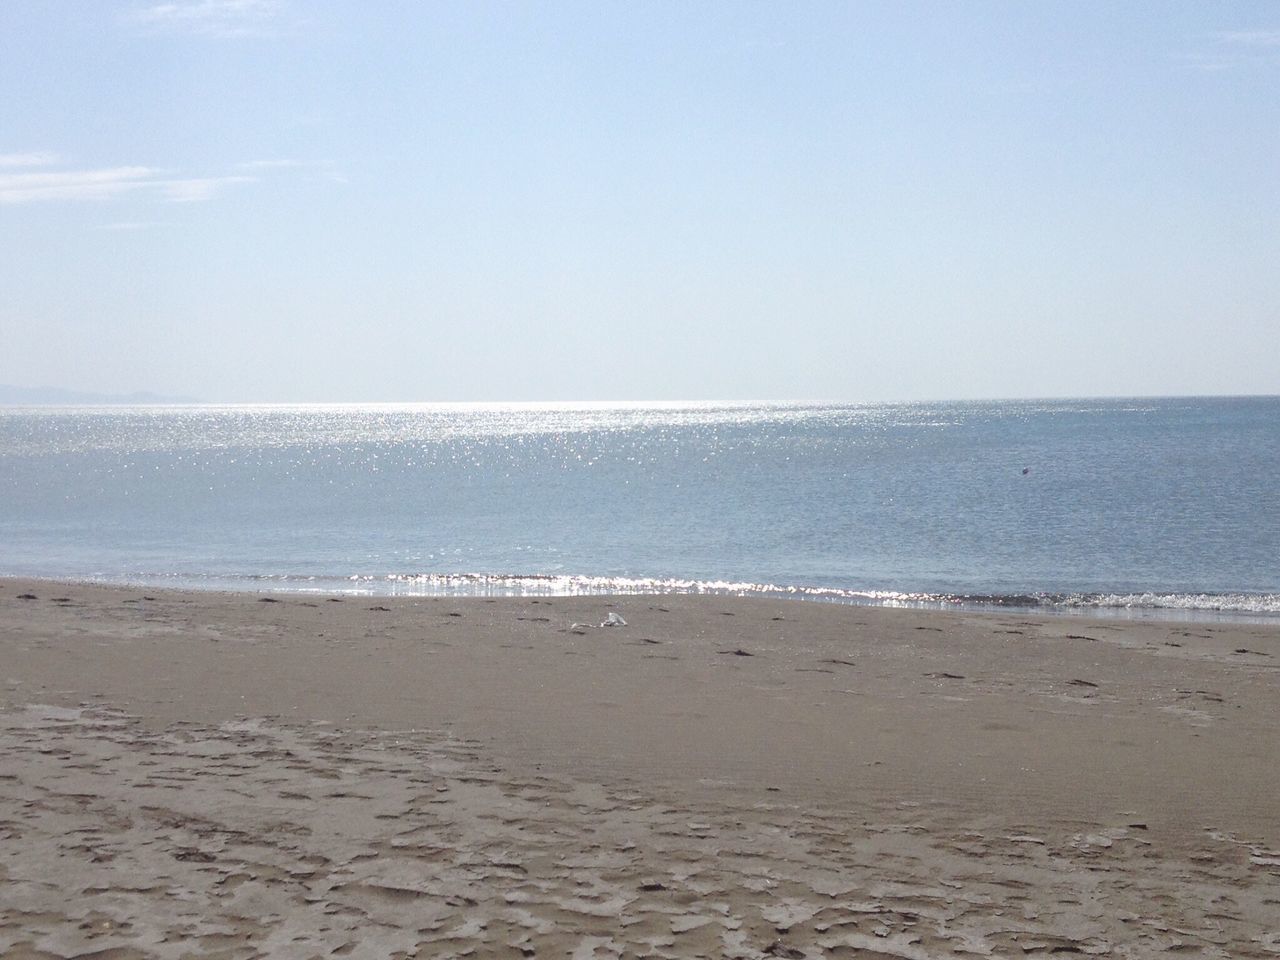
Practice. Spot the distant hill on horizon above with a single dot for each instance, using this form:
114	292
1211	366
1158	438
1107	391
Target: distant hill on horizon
59	396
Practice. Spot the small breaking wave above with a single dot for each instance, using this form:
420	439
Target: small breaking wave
1259	603
487	584
1132	604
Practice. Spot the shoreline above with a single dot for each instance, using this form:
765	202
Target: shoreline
1071	770
1239	607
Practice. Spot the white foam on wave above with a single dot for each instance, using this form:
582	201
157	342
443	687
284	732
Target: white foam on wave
1151	603
1261	603
577	584
572	585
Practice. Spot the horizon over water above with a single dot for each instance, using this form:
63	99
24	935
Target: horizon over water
1164	505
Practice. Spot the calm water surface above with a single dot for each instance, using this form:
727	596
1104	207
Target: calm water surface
1167	504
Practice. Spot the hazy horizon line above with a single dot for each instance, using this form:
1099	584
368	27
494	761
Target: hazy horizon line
153	398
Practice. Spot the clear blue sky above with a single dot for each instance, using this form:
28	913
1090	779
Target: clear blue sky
256	200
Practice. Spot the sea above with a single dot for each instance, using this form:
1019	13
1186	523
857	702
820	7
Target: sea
1164	507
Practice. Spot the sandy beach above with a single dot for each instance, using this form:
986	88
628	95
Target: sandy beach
232	775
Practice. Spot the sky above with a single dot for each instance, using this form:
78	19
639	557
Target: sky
279	201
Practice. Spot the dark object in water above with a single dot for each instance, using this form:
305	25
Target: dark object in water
780	949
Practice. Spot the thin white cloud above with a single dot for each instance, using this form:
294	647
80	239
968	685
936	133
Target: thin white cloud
1250	38
73	184
322	170
195	189
33	159
268	165
1235	49
108	182
212	18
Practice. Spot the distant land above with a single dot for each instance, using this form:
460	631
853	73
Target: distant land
57	396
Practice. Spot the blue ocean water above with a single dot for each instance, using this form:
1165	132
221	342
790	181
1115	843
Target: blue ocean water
1148	503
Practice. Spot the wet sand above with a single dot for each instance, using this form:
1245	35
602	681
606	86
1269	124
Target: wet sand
197	774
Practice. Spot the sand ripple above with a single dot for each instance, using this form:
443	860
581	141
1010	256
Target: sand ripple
121	840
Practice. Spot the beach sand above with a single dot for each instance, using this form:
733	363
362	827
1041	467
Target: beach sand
227	775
